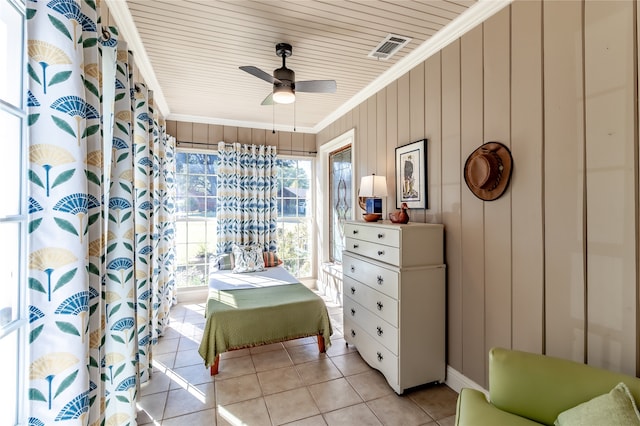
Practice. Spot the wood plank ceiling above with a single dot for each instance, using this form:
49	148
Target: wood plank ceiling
195	48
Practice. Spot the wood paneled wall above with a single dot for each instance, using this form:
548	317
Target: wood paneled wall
207	136
551	266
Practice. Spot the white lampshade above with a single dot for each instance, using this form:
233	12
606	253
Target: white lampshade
373	186
283	95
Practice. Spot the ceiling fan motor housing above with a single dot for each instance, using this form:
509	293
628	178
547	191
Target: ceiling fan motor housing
286	76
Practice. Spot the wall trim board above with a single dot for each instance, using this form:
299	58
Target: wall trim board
456	381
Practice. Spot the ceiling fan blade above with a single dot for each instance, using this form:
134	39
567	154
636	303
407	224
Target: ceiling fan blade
257	72
316	86
268	100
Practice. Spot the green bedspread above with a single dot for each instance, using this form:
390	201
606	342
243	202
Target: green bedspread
250	317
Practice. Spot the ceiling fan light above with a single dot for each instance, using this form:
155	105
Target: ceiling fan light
283	95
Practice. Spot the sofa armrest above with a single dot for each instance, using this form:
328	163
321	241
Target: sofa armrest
540	387
473	409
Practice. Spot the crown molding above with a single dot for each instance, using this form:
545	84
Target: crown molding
238	123
465	22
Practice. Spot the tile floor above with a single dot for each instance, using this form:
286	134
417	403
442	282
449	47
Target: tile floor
285	383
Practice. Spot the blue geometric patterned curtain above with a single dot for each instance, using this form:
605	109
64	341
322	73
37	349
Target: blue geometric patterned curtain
95	312
247	191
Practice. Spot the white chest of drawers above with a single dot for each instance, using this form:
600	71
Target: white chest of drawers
394	299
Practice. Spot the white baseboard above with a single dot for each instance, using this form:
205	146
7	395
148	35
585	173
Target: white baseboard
457	381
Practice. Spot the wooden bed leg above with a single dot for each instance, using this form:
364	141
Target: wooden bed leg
321	348
214	366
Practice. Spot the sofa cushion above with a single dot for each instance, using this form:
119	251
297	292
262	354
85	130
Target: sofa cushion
247	259
614	408
224	262
271	259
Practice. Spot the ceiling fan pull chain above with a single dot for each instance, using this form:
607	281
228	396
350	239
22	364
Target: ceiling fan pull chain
274	118
294	116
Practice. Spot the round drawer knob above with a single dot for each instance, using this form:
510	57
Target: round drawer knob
353	333
353	268
353	312
380	279
380	252
380	305
380	331
380	235
353	290
380	357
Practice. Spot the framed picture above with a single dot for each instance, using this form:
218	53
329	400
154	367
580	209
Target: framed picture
411	175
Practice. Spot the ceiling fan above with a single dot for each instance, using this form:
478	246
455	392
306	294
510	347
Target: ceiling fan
284	80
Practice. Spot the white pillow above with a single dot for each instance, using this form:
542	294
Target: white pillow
247	259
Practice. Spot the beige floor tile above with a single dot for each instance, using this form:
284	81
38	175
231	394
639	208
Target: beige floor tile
339	347
318	371
166	345
185	358
187	344
199	418
266	348
251	412
447	421
164	360
334	394
398	410
358	414
159	382
305	353
350	363
266	361
235	354
234	367
285	407
237	389
439	401
151	407
279	380
370	385
192	374
190	400
301	341
309	421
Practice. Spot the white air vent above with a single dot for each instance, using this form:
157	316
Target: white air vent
389	46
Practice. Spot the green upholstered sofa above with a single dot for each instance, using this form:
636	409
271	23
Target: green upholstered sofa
530	389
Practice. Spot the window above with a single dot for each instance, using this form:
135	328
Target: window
340	175
294	215
196	222
195	216
13	212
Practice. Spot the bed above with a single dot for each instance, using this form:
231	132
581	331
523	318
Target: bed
259	308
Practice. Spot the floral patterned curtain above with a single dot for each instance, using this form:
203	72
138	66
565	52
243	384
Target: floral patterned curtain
100	286
247	191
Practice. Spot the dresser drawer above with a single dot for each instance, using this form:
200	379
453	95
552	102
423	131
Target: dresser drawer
380	330
375	250
374	353
382	279
382	305
373	234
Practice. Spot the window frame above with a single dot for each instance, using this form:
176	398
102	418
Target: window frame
309	217
18	327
